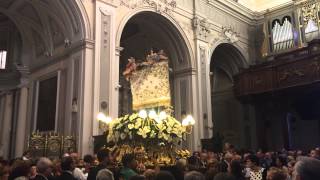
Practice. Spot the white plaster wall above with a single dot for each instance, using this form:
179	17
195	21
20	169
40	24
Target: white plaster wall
260	5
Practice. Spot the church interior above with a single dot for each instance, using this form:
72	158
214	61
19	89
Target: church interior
161	80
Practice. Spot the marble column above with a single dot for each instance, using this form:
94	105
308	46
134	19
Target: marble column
21	122
7	119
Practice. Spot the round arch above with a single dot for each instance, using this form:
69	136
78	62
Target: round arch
225	62
38	23
171	22
154	31
235	47
84	20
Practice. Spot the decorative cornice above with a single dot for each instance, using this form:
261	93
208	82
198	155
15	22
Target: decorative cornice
5	92
230	34
25	72
201	27
160	6
109	2
75	47
237	10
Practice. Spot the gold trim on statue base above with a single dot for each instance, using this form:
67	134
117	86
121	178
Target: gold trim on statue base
165	102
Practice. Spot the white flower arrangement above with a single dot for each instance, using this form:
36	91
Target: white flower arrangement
143	128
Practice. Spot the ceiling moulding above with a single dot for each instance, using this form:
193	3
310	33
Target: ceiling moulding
237	10
247	15
263	5
278	8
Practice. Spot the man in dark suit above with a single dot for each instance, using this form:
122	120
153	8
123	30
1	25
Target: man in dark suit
44	169
67	166
104	159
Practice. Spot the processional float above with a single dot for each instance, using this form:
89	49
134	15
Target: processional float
151	132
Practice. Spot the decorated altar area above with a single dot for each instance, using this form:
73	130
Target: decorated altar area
151	132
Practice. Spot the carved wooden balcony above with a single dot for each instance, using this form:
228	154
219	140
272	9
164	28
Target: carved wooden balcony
299	67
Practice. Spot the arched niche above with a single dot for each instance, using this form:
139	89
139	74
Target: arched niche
228	114
46	27
47	40
146	30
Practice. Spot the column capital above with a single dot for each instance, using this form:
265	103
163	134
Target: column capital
24	71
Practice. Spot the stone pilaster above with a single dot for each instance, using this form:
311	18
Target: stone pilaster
6	124
21	122
21	127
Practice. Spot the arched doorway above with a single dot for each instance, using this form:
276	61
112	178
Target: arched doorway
44	44
228	114
146	31
45	26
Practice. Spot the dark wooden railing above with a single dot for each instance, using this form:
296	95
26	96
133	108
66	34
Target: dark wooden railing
299	67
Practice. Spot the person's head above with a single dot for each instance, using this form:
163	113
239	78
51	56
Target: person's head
204	156
276	174
75	156
20	168
4	169
236	157
128	160
227	146
33	170
105	174
211	173
222	167
26	154
103	156
252	161
228	157
193	163
212	163
194	175
306	169
67	164
268	155
150	174
211	155
224	176
164	175
291	167
181	164
236	168
260	154
44	166
88	159
281	161
315	154
300	153
196	154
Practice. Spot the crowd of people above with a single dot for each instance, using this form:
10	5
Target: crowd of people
204	165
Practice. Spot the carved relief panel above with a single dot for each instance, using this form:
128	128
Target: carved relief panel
161	6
